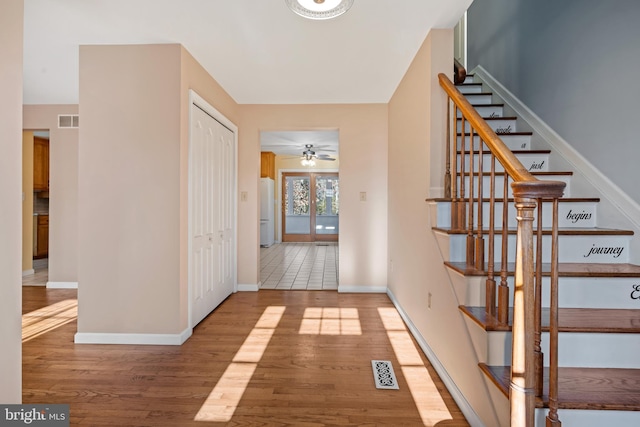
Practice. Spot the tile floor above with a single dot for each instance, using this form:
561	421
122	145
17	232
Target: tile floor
41	276
309	266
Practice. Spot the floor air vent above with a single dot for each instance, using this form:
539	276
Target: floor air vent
383	375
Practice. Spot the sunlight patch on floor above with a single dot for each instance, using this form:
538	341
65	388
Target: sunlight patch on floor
223	400
425	394
47	318
330	321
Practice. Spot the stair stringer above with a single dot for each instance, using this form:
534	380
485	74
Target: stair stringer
477	336
616	209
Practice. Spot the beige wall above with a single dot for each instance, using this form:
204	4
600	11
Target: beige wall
363	167
63	193
129	189
133	185
27	202
416	135
11	28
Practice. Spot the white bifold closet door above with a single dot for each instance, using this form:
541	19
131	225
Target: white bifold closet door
212	180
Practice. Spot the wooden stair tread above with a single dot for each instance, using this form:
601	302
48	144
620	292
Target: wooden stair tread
595	231
511	200
587	320
468	84
496	118
499	134
486	105
487	152
565	269
583	388
568	173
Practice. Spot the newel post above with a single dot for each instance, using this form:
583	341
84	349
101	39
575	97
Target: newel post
523	381
522	387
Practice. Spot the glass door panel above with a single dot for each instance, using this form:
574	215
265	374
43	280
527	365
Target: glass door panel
297	206
326	206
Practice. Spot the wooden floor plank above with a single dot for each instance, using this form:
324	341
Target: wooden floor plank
300	378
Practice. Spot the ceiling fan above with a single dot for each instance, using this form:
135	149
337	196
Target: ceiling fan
309	156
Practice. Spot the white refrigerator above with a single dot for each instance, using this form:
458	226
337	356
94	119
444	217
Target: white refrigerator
267	207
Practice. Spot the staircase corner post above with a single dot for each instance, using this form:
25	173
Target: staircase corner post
522	387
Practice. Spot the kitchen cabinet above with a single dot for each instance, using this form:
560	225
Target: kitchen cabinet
268	165
40	164
42	249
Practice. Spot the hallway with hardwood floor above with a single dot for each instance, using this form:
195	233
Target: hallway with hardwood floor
261	358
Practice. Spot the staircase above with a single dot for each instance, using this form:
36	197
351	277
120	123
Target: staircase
598	289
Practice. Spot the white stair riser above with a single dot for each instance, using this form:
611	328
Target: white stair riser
533	162
590	418
512	141
499	185
470	291
570	215
574	292
469	88
575	349
487	111
580	249
501	126
469	79
479	99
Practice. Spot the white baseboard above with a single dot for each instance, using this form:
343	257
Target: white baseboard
363	289
463	404
62	285
248	288
132	339
626	205
28	272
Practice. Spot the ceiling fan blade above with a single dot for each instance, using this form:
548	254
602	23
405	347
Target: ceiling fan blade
329	148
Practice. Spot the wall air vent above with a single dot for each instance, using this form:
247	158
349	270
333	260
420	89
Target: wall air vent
68	120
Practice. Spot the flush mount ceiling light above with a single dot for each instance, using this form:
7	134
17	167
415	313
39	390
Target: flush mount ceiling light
319	9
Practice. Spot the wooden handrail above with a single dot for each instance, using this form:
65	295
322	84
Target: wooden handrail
507	159
528	194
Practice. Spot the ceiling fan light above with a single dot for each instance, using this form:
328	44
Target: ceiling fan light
325	9
307	162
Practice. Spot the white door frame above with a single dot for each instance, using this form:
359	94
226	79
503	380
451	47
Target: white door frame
200	102
460	41
278	193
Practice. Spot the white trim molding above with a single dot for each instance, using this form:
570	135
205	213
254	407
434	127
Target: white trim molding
466	408
248	288
362	289
132	339
62	285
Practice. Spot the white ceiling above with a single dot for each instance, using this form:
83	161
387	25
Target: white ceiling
258	50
